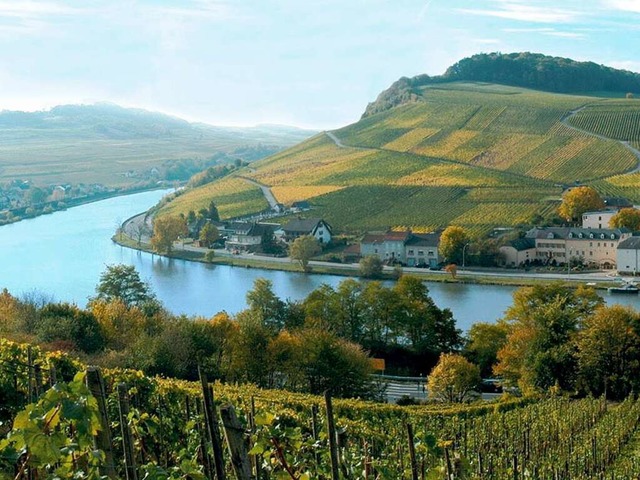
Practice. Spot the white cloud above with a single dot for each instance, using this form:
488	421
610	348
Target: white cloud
631	65
486	41
31	9
550	32
624	5
513	10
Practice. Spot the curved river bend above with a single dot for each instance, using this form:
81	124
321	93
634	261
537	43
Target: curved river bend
63	254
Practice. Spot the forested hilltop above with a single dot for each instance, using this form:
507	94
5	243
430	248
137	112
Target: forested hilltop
528	70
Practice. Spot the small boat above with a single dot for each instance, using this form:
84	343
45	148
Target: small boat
627	287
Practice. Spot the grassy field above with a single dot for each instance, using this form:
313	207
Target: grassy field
476	155
116	146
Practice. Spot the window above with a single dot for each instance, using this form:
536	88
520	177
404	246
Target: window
431	254
591	244
410	252
375	251
421	253
591	235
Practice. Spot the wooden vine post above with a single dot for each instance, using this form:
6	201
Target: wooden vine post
102	440
127	439
235	436
212	426
333	440
412	452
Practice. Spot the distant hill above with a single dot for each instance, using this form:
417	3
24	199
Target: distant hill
529	70
475	154
116	146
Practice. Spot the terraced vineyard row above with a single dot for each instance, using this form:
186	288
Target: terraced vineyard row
612	120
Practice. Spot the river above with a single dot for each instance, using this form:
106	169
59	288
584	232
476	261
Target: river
62	255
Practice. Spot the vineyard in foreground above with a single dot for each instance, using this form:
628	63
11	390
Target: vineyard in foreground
161	428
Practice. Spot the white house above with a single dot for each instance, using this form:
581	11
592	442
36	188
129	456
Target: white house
519	252
388	246
599	219
629	256
316	227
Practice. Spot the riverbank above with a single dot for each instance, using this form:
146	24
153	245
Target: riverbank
16	215
188	252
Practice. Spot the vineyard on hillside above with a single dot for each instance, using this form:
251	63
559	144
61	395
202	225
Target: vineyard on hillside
471	154
233	197
160	428
618	119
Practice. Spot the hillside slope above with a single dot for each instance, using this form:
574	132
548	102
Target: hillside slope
524	69
472	154
116	146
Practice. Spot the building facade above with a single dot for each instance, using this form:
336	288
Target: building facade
629	256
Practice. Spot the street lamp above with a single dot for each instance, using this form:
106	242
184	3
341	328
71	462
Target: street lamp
463	250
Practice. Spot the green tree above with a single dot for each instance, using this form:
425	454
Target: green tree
452	242
626	218
453	379
579	200
62	322
262	300
418	320
209	234
543	322
609	352
212	212
303	249
371	266
484	341
123	283
249	359
167	230
333	364
36	195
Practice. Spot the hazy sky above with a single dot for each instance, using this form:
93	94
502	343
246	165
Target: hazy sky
312	63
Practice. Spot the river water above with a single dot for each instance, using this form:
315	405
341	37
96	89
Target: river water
62	255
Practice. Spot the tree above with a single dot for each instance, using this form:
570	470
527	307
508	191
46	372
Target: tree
452	269
452	242
68	323
609	352
167	230
212	212
371	266
626	218
303	249
484	340
263	301
209	234
139	229
333	364
453	379
579	200
122	282
543	322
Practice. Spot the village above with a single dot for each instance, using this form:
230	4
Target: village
590	246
